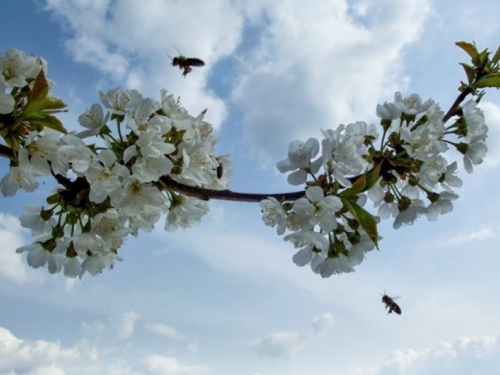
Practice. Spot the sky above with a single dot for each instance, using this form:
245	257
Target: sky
225	298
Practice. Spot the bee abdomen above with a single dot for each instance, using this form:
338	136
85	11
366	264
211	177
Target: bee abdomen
193	61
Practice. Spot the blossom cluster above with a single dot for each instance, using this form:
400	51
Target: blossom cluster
117	176
406	177
111	188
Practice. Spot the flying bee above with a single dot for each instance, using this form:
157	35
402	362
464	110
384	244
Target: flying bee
390	304
186	63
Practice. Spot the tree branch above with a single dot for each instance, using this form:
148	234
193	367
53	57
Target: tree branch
227	195
6	152
192	191
453	109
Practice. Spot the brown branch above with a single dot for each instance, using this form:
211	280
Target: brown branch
192	191
454	107
6	152
227	195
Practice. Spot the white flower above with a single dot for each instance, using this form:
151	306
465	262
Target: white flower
7	101
141	109
17	178
273	214
343	150
334	265
424	143
94	264
104	176
109	226
74	151
186	214
152	144
476	151
309	239
72	267
142	204
32	220
87	242
474	117
115	100
92	119
442	206
148	169
43	148
411	104
303	257
300	157
431	171
388	111
385	209
318	209
17	67
37	255
408	216
172	108
450	179
359	249
198	168
140	198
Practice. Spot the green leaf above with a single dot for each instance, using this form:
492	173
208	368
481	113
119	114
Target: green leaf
470	72
470	48
40	88
488	82
364	218
48	104
40	119
363	183
496	56
356	188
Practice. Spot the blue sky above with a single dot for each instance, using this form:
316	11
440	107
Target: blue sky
225	298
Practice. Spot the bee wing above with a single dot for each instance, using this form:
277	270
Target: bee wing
178	51
396	297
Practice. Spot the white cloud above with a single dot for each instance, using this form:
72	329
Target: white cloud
95	328
129	42
164	330
161	365
492	119
464	356
13	267
479	234
316	67
193	347
287	343
39	357
127	324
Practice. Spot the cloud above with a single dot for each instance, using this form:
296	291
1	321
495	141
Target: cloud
317	67
161	365
127	324
287	343
464	356
164	330
479	234
39	357
13	267
492	119
106	36
94	328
